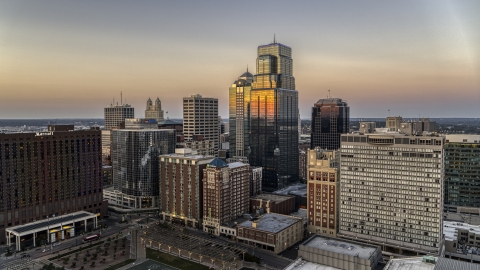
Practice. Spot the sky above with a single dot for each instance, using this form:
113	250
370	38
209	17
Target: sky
70	59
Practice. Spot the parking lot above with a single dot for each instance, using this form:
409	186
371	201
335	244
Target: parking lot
151	265
175	240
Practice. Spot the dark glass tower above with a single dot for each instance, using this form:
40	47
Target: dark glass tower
330	118
239	115
274	117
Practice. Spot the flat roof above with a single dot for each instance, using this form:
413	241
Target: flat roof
449	264
273	197
341	247
51	222
415	263
450	229
236	164
301	264
297	189
271	222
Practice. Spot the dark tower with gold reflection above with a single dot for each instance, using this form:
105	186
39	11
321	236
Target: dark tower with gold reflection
274	117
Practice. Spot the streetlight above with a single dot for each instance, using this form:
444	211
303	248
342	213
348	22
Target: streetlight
179	252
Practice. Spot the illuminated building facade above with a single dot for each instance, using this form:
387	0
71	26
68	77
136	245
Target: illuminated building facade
274	117
239	115
330	118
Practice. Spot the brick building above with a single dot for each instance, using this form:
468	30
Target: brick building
226	193
49	173
272	203
181	186
272	232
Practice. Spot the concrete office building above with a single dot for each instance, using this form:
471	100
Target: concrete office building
239	115
154	111
226	193
323	192
393	123
330	118
272	232
341	254
274	117
47	174
116	114
135	152
391	192
200	117
181	187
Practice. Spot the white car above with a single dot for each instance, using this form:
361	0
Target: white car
45	250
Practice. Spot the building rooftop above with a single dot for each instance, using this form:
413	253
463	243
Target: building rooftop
463	138
329	101
301	213
301	264
236	165
450	229
277	198
297	189
415	263
341	246
271	222
217	163
449	264
169	122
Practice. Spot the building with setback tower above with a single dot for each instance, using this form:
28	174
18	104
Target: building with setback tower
239	115
330	118
274	117
154	111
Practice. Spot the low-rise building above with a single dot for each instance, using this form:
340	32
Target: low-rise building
429	263
272	232
272	203
342	254
462	241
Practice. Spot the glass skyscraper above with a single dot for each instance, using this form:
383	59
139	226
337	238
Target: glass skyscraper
239	115
274	117
462	172
330	118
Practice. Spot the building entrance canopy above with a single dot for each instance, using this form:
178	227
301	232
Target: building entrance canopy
50	225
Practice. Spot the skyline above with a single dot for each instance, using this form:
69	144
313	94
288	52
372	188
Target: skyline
71	59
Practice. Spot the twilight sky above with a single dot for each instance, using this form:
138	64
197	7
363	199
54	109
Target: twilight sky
69	59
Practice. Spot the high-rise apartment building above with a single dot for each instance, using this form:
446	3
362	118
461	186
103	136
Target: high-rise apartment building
181	186
48	174
323	192
462	172
226	193
200	117
274	117
135	152
239	115
154	111
391	191
330	119
115	115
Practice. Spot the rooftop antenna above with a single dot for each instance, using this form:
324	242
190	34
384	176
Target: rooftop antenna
247	67
274	39
121	98
329	93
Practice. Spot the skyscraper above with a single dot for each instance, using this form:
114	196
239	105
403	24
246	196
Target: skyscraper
154	111
274	117
135	152
116	114
239	115
330	118
200	117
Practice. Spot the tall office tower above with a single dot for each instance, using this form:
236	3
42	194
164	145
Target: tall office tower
330	118
135	152
274	117
391	191
462	173
49	173
181	186
115	115
226	193
239	115
200	117
393	123
154	111
323	192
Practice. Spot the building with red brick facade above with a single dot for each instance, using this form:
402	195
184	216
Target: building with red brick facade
272	203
